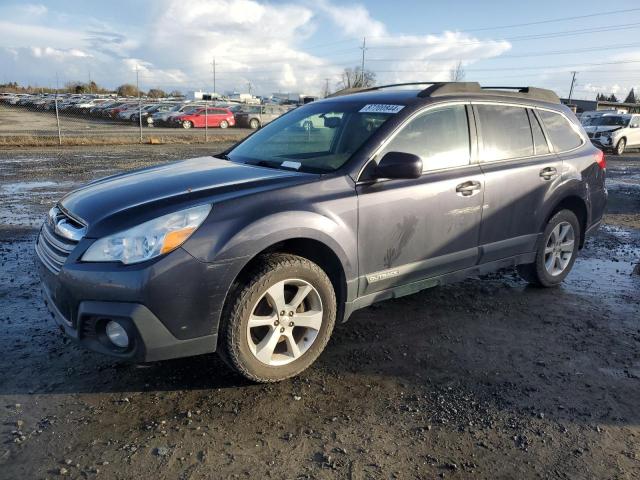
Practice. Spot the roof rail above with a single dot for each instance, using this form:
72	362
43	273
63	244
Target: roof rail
452	88
440	89
347	91
528	92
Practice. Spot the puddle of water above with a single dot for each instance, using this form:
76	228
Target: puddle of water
27	187
613	283
619	232
24	160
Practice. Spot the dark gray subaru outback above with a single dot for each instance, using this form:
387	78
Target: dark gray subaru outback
257	252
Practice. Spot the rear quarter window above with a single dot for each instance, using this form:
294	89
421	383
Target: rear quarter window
562	133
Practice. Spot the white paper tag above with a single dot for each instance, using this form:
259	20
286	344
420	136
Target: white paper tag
381	108
289	164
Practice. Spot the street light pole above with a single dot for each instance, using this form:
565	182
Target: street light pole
139	103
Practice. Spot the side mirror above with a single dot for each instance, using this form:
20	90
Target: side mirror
399	165
332	122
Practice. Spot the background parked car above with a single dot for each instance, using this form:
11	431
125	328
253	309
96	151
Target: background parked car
256	116
214	117
166	119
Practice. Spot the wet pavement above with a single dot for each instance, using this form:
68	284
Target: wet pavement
488	378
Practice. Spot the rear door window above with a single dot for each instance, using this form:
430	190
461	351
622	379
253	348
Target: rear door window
562	133
505	132
539	142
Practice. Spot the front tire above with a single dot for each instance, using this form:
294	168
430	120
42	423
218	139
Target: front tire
280	319
621	147
254	124
556	252
187	124
224	124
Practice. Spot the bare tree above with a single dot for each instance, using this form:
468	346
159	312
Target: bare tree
457	73
127	90
353	78
156	93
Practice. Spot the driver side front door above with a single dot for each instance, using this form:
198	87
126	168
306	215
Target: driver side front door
413	229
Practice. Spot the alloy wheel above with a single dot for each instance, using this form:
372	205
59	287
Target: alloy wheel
559	248
285	322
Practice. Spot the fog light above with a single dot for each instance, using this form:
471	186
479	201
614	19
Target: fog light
117	334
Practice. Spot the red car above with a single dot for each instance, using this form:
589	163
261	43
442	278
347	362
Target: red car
215	117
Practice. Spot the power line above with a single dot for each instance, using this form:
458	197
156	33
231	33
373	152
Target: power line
564	33
553	20
497	27
523	55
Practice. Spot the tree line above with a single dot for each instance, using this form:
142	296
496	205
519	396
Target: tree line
124	90
630	98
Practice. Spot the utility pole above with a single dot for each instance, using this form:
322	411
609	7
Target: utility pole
573	82
326	87
249	86
364	49
213	64
90	89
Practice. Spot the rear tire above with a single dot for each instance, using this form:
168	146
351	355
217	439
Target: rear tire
254	124
267	337
620	147
187	124
556	252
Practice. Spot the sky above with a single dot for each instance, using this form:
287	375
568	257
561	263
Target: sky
302	46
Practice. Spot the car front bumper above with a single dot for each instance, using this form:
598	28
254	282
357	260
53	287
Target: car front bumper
169	307
603	143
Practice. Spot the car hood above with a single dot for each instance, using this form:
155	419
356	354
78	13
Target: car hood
602	128
124	200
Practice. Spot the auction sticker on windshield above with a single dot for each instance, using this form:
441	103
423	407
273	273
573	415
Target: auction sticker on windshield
381	108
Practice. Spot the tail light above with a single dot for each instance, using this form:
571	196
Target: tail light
601	160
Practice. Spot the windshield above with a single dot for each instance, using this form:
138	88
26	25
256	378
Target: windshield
319	137
611	120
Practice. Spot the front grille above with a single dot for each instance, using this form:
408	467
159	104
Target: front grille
52	248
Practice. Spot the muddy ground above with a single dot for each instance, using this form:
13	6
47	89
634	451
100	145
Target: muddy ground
484	379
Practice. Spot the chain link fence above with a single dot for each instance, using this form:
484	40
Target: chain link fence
65	119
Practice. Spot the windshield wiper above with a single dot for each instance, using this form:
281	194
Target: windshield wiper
265	163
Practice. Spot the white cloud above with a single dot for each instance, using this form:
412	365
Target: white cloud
253	41
353	20
33	9
44	52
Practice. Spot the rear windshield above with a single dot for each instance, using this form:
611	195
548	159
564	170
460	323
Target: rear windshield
318	137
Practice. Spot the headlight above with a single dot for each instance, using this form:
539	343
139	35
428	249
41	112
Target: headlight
148	240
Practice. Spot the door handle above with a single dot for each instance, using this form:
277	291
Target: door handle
468	188
548	173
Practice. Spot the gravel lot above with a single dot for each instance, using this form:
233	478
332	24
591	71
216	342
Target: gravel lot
484	379
19	126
